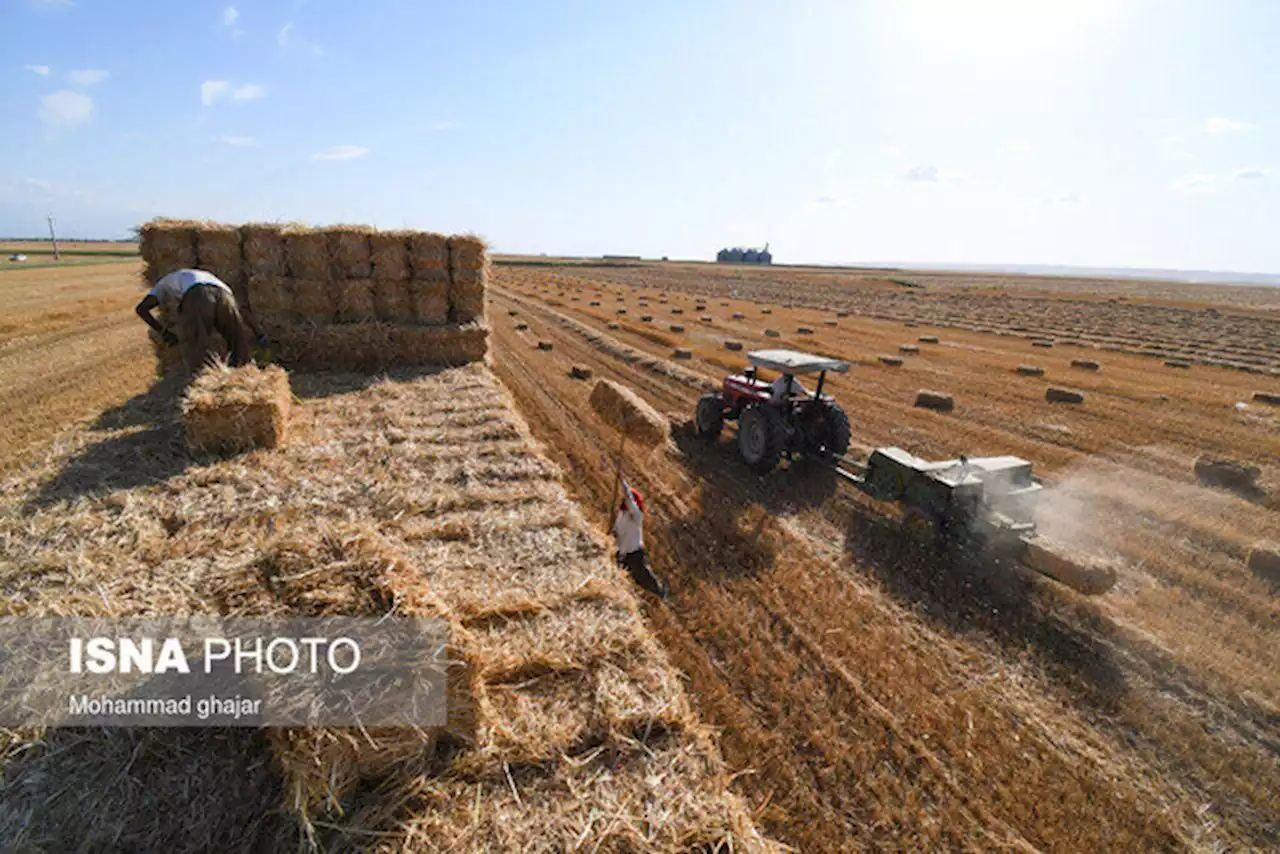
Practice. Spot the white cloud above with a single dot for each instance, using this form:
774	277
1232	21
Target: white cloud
1250	173
341	152
288	39
213	90
65	110
239	141
1016	147
42	70
1218	124
249	92
831	201
282	37
88	77
229	16
925	174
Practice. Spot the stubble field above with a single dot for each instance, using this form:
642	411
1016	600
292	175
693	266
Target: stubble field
866	696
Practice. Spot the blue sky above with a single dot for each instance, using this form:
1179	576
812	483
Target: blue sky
1090	132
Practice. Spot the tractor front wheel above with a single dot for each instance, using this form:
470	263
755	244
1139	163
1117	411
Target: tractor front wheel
708	418
760	437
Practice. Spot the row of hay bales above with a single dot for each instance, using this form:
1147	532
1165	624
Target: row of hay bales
341	296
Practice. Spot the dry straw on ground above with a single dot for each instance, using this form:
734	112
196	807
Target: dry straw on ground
231	410
627	411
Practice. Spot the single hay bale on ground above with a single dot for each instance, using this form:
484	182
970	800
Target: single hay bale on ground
1047	345
677	311
705	319
393	300
429	294
349	256
1175	363
772	333
354	302
737	315
271	299
842	314
911	324
262	244
891	361
935	400
1264	560
830	323
218	250
625	410
646	318
1030	370
1063	395
1266	397
766	311
1091	576
803	330
308	251
675	327
545	345
580	372
1228	474
681	354
613	324
230	410
733	345
622	311
1085	364
594	304
313	300
928	339
389	255
908	348
521	327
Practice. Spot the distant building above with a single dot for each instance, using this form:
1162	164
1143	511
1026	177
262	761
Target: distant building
739	255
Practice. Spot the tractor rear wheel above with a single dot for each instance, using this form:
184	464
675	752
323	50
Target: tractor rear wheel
708	418
760	437
834	433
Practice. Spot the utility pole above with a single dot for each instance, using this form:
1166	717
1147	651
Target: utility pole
54	237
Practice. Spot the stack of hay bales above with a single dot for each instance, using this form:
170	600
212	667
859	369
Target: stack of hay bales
340	297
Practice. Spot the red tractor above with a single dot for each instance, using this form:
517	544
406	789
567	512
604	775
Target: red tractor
778	418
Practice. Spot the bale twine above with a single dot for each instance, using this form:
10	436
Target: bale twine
772	333
429	293
928	339
625	410
313	301
733	345
393	300
675	327
580	372
1266	397
389	255
891	361
908	348
1264	561
1030	370
545	345
262	244
1175	363
231	410
349	251
218	250
681	354
1063	395
935	400
354	302
308	253
1085	364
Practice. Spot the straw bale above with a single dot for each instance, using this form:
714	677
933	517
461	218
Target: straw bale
935	400
1174	363
830	323
679	353
676	327
1266	397
354	300
349	251
166	245
677	311
468	277
842	314
393	300
429	290
218	250
766	311
625	410
389	255
1063	395
313	300
891	361
466	307
928	339
271	299
580	372
1085	364
908	348
613	324
772	333
230	410
593	304
428	253
1047	345
467	252
545	345
803	330
646	318
1030	370
521	327
1264	561
264	249
621	311
733	345
455	344
308	253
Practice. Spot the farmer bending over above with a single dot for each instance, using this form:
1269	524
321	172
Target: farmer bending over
628	530
205	306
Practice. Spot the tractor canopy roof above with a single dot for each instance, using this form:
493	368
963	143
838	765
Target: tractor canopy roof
795	362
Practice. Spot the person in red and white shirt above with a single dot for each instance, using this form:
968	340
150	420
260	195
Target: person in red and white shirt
628	532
